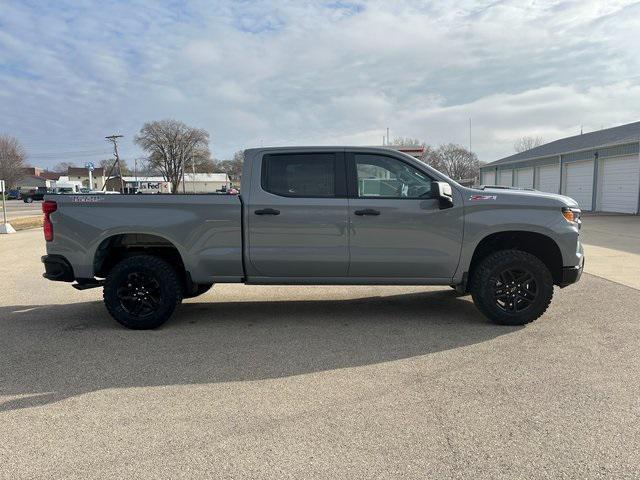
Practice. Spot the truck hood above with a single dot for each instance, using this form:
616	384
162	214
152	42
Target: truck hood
526	197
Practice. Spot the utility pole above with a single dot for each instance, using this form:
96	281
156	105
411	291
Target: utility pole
114	139
388	142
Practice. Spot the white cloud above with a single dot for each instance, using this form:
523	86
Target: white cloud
295	72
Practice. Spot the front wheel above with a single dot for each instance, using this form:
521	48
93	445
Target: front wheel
141	292
512	287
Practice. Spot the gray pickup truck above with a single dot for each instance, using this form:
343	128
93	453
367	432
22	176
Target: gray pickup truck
318	216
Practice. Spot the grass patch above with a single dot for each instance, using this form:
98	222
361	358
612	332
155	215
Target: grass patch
24	223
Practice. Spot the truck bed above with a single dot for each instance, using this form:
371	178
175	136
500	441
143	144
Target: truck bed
205	229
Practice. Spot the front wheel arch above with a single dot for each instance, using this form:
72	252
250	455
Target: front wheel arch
539	245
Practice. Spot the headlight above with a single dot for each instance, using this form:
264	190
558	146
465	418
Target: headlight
571	214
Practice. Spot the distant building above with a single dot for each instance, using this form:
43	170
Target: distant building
600	170
204	182
34	177
82	175
32	182
139	184
416	151
201	183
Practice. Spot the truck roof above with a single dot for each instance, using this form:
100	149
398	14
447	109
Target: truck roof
324	148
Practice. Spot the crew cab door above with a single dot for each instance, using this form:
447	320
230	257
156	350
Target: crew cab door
297	216
398	230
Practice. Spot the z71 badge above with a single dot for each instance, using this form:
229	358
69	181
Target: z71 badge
483	197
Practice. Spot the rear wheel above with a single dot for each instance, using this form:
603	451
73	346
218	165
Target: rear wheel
512	287
142	291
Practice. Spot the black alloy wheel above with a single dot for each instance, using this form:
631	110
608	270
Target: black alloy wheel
514	290
511	287
142	291
139	294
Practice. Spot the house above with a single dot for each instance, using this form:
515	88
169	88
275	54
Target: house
600	170
80	174
35	177
32	182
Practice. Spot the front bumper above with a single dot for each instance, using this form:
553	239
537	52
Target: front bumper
57	268
571	274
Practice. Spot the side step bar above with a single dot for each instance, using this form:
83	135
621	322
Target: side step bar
87	283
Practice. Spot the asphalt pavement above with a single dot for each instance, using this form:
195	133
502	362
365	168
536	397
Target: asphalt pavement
18	208
315	382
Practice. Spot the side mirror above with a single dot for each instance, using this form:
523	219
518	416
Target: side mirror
442	191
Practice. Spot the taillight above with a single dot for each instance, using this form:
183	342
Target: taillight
48	207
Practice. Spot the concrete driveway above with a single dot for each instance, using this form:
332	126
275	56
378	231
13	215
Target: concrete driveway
315	382
612	247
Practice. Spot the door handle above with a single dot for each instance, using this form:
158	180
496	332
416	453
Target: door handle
267	211
367	211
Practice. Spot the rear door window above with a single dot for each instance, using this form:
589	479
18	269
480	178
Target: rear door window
300	175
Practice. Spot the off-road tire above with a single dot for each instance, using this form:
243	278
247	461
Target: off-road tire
486	277
166	286
200	289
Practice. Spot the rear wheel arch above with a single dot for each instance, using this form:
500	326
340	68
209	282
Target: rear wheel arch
116	247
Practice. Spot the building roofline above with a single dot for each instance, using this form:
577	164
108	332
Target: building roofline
528	159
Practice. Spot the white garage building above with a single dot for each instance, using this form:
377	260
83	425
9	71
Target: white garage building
600	170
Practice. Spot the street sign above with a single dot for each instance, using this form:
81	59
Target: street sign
2	186
89	166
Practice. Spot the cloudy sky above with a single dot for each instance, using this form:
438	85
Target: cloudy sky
314	72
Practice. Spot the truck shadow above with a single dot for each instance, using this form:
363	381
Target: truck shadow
52	352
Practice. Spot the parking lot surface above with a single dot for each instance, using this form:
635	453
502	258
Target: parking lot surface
315	382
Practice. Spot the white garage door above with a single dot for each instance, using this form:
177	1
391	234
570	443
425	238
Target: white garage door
524	178
548	179
618	184
488	178
579	183
505	177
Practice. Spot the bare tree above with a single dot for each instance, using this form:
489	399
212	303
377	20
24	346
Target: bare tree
63	167
527	143
12	160
106	164
454	161
407	142
172	146
233	168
